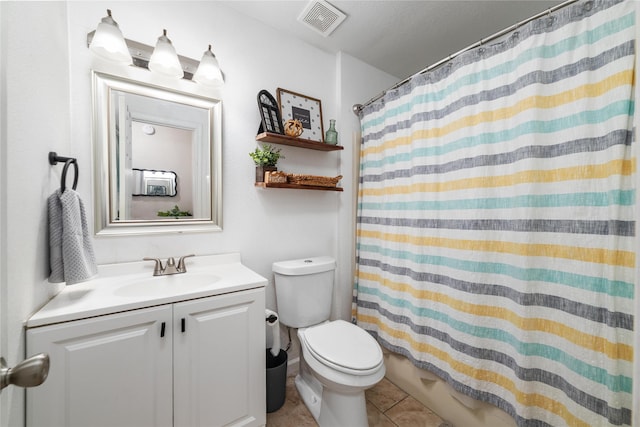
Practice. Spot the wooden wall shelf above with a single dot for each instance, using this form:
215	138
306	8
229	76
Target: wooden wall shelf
275	138
296	186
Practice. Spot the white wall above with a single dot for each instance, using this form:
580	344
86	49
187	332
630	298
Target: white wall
35	121
264	225
4	403
45	86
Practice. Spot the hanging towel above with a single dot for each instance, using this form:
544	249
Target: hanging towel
71	254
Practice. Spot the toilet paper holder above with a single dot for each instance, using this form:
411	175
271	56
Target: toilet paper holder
271	317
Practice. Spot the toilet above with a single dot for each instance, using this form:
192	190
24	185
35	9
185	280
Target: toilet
338	360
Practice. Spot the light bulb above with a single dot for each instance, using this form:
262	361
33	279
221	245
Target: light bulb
164	59
208	72
108	41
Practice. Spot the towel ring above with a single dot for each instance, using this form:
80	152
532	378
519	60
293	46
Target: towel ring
54	159
63	180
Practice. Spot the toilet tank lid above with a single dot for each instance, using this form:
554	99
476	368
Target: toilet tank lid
299	267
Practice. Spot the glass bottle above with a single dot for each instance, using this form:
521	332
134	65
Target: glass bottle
331	136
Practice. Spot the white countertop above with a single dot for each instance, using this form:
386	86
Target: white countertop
112	291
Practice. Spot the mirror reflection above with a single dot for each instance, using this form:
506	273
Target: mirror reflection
146	138
154	183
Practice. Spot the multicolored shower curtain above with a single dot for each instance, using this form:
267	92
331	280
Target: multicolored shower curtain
496	223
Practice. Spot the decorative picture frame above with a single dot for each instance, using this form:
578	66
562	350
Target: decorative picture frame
271	120
306	109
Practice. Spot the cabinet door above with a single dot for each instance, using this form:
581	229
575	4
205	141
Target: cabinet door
107	371
219	361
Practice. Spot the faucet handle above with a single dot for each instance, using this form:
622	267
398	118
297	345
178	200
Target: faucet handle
157	271
182	267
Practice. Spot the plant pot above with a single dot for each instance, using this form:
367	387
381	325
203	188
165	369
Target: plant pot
260	170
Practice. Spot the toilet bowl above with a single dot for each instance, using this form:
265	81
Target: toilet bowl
338	360
344	353
345	360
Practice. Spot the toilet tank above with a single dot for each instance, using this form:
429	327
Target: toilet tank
303	290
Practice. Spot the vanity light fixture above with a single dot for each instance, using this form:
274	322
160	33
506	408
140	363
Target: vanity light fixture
108	41
208	72
164	59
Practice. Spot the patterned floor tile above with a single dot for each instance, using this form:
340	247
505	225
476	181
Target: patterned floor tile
411	413
385	394
387	406
376	418
293	413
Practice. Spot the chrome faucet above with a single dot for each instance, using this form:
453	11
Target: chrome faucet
170	267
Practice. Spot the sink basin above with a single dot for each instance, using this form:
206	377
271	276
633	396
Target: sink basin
162	285
130	286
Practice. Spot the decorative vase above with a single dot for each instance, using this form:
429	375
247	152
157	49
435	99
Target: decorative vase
331	136
260	170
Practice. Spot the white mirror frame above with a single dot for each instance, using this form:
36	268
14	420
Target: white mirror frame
188	94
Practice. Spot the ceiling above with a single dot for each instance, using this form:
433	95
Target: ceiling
398	37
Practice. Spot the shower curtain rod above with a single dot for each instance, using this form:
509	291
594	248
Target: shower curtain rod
358	107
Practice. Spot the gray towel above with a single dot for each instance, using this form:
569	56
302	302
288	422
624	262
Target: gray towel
71	256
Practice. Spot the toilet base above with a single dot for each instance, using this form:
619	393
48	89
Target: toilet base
331	408
340	409
311	398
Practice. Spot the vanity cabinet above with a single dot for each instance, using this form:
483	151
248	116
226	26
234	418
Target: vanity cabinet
219	361
191	363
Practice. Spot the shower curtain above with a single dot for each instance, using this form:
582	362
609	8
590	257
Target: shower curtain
496	232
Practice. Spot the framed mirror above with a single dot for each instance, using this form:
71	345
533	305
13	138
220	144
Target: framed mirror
145	137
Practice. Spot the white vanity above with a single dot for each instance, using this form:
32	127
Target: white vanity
130	349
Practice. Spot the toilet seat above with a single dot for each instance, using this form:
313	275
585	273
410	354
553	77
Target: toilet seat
344	347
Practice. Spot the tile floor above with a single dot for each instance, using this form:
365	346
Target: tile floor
387	406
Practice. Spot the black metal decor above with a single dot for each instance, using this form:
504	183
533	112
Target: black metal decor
270	113
68	161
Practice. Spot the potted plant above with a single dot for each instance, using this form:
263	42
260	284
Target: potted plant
265	159
175	212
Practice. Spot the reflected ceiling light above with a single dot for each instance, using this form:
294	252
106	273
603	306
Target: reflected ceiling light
164	59
108	41
208	72
148	129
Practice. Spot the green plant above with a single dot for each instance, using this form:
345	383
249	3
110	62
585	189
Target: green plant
175	212
266	156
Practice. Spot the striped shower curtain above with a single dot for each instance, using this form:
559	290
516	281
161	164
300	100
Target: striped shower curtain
496	219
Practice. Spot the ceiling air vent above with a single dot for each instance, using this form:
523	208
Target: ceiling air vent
321	17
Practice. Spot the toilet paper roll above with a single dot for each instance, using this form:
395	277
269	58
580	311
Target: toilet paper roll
275	332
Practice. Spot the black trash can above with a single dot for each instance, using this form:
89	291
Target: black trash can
276	380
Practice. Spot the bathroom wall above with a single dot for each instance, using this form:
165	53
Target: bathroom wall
35	120
46	106
264	225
